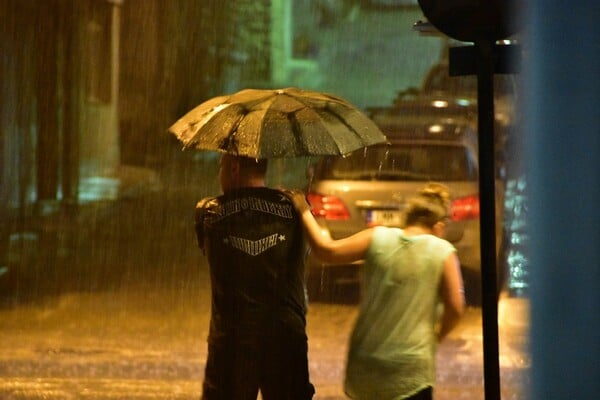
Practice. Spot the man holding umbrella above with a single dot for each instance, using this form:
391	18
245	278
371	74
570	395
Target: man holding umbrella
253	236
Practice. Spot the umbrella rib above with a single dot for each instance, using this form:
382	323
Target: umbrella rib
343	121
347	125
297	130
229	142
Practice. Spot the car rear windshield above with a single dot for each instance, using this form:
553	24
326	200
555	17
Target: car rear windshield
408	162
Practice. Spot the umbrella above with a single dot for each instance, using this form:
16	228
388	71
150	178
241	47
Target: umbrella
272	123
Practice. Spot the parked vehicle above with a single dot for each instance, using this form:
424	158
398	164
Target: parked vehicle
371	186
439	85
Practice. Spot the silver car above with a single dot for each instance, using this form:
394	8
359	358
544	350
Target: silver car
371	186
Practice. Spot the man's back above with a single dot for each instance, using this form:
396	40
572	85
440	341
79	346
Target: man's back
254	244
253	239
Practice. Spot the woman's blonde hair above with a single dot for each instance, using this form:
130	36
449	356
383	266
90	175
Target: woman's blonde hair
429	206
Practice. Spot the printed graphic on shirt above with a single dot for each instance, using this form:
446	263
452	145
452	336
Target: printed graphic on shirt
284	210
254	247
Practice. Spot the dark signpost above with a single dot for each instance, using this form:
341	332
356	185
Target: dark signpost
483	24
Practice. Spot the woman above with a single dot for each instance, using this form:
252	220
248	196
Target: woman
406	274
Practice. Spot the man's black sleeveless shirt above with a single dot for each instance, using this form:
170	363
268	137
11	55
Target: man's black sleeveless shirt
254	243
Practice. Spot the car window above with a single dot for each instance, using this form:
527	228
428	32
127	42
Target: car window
408	162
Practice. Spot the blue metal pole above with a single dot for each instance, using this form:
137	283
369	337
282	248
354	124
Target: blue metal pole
562	129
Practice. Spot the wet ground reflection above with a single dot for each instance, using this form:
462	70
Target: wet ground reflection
144	342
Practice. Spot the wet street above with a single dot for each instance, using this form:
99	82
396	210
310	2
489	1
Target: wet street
143	342
116	306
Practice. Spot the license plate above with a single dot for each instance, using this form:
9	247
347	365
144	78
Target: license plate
384	217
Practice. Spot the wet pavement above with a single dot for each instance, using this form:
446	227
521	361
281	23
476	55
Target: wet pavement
116	306
140	342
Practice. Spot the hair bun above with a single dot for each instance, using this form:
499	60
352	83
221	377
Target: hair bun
436	191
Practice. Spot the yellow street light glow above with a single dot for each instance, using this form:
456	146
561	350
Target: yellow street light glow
436	128
439	103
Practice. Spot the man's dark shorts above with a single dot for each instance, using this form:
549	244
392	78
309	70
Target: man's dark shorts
278	366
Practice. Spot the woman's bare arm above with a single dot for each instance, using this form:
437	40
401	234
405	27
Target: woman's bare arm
452	295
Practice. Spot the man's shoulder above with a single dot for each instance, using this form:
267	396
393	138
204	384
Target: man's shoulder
205	202
204	205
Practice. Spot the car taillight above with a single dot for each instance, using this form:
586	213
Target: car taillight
465	208
328	207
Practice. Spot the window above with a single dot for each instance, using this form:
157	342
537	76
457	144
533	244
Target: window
413	162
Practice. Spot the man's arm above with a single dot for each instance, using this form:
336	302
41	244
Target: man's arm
199	220
352	248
